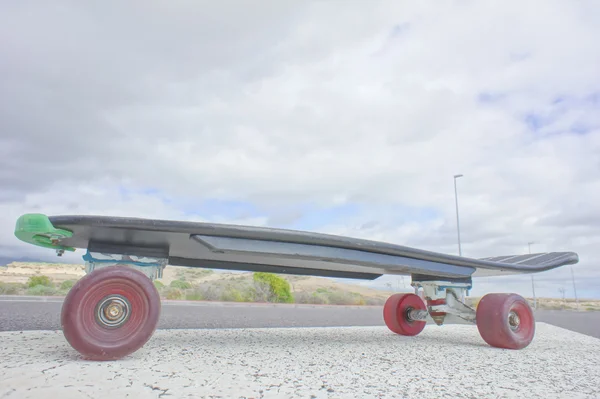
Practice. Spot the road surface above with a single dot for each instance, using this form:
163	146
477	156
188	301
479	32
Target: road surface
40	313
320	363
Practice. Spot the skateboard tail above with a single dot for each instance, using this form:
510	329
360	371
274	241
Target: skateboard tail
36	229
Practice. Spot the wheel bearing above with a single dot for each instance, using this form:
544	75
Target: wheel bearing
513	320
113	311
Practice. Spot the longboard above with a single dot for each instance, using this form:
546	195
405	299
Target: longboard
221	246
443	277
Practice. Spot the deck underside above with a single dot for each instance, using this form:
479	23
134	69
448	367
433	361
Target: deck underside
284	251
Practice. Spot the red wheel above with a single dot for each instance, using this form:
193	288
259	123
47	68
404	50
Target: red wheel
395	314
505	321
110	313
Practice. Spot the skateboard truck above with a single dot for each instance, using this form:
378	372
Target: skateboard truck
151	261
444	296
151	267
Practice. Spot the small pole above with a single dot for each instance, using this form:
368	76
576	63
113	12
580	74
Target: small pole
532	283
457	219
574	288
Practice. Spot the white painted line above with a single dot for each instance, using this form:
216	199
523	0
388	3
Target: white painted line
340	362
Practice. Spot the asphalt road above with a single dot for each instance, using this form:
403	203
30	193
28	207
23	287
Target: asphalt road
36	313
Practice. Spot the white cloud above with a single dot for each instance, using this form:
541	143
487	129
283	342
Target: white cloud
376	104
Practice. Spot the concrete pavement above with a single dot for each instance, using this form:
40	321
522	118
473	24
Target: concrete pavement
332	362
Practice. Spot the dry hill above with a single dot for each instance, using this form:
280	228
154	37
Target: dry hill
193	284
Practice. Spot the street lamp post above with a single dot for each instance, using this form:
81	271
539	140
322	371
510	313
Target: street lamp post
532	283
457	218
574	288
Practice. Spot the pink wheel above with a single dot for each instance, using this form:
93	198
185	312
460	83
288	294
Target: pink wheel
396	310
110	313
505	321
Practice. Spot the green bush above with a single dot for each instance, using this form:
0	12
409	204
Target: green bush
10	288
39	280
158	284
67	285
42	290
278	287
180	284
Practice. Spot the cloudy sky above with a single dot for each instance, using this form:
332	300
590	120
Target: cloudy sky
345	117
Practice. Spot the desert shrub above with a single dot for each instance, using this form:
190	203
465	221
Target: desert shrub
159	285
211	293
301	297
324	296
186	274
195	295
39	280
201	272
233	289
173	293
67	285
319	298
232	295
314	298
260	292
359	299
278	288
41	290
180	284
375	301
345	298
10	288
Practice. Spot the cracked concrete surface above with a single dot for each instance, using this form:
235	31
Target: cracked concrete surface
335	362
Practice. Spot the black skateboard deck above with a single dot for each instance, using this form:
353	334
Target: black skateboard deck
246	248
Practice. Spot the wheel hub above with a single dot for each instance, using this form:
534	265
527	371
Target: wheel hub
513	320
413	314
113	311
